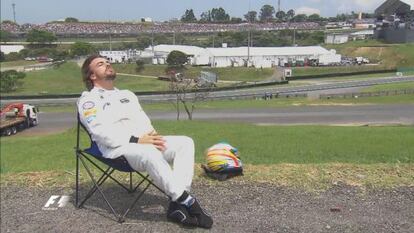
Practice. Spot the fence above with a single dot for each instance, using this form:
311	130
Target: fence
333	75
367	94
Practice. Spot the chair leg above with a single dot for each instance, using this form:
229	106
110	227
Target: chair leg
122	218
77	180
149	181
130	183
100	181
107	174
99	188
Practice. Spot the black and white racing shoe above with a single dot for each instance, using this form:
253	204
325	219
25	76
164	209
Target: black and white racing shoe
179	213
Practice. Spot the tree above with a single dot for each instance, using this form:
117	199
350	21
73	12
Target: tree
290	14
11	80
281	15
251	16
176	59
300	18
205	16
143	42
13	56
140	66
71	20
188	16
2	57
219	15
266	13
8	22
314	18
81	49
236	20
40	36
187	93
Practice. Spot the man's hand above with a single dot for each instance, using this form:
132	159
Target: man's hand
154	139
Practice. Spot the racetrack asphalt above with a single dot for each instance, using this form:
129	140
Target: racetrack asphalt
395	114
236	206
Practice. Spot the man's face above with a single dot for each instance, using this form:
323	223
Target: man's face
101	70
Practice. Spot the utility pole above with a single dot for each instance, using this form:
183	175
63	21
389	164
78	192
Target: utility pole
294	36
110	32
14	11
248	38
278	6
152	40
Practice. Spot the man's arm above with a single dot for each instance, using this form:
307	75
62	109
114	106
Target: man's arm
103	131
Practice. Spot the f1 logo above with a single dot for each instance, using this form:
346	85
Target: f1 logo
61	201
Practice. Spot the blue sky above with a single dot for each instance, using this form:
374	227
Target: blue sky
41	11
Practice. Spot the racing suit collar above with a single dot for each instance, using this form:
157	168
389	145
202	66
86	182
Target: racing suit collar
102	90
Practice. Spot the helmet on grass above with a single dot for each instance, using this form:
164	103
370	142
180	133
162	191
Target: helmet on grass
223	161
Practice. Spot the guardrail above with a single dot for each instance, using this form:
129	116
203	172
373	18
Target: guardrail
367	94
331	75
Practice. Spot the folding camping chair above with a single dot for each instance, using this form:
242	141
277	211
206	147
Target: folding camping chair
93	154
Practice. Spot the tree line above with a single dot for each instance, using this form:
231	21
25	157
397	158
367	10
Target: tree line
267	13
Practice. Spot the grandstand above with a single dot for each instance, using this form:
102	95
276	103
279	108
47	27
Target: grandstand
397	22
94	28
391	7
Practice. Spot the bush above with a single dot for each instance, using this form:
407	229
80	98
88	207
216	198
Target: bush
13	56
140	66
11	80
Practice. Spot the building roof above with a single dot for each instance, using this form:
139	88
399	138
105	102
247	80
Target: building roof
365	32
187	49
391	7
6	49
267	51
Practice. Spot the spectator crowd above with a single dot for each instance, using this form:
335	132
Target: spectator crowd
62	28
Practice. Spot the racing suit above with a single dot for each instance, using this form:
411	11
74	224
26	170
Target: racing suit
116	120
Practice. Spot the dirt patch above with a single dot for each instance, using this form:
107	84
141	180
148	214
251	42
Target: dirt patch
235	207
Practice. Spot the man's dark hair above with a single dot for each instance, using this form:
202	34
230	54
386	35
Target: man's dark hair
86	71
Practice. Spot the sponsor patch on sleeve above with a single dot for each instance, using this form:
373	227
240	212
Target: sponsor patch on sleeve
89	112
88	105
90	119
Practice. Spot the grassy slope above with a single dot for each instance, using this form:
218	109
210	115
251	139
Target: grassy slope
229	74
390	56
67	79
257	144
17	63
390	86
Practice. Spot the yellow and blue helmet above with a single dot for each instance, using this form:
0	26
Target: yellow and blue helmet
222	158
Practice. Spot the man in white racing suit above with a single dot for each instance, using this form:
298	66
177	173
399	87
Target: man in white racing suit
120	127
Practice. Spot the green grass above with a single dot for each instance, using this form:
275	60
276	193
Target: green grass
67	79
244	74
228	74
390	87
259	145
303	71
17	63
286	102
389	55
274	103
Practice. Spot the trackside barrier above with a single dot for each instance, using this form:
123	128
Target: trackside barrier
367	94
331	75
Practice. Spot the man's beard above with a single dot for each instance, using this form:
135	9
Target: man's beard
110	77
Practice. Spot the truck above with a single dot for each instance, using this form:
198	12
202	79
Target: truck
16	117
361	60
